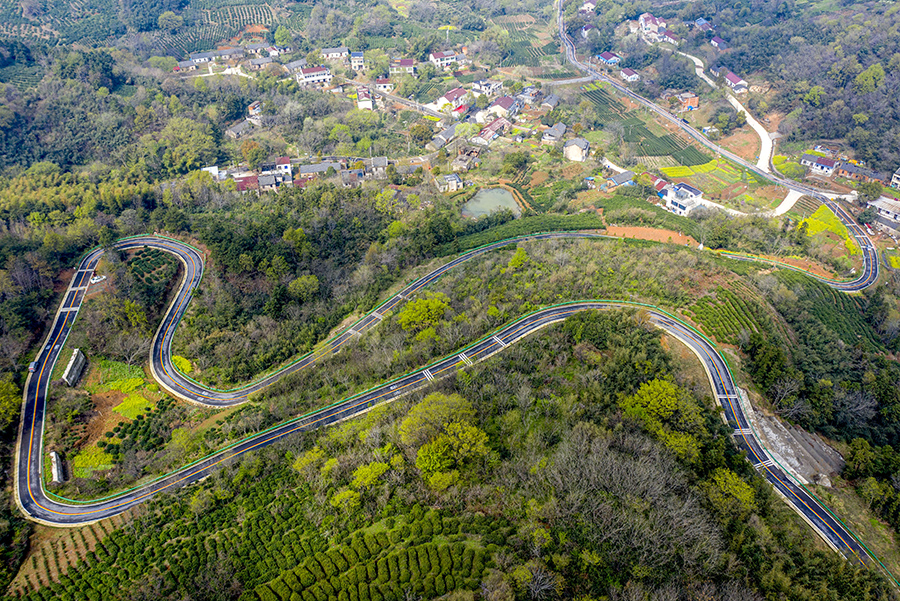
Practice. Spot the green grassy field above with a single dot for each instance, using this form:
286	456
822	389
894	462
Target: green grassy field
90	460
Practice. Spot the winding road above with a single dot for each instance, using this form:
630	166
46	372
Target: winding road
43	506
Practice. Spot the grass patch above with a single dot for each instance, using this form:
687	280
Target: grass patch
182	364
88	461
133	406
824	220
126	385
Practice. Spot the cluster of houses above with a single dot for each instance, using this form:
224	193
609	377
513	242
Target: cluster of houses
284	172
654	29
827	167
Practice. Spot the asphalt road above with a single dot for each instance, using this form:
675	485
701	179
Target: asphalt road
42	506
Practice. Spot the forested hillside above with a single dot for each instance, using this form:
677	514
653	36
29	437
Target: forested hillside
583	462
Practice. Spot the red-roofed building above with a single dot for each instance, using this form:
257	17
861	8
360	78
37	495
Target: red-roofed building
314	76
491	132
630	75
735	83
403	66
505	106
283	165
444	58
670	37
384	85
247	183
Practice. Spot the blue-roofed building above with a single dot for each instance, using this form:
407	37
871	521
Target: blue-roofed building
357	61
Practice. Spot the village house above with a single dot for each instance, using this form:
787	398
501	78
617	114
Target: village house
448	183
682	199
888	211
443	59
443	138
491	132
317	169
465	159
895	179
283	166
620	179
735	83
860	174
703	25
689	101
403	66
588	7
452	99
314	76
376	167
577	150
364	99
199	58
553	134
530	96
586	30
819	165
658	183
186	66
550	102
719	43
651	26
630	75
670	37
255	108
267	183
258	63
231	53
246	183
334	54
296	65
505	106
486	87
609	58
256	48
384	85
239	130
357	61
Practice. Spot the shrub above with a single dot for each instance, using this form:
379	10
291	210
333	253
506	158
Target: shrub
338	560
384	573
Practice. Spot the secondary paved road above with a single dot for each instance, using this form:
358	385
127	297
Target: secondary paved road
40	505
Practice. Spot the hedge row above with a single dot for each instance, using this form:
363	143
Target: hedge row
429	569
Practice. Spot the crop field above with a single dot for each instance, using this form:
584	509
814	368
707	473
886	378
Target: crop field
522	53
824	220
21	76
842	313
788	168
645	142
152	266
725	315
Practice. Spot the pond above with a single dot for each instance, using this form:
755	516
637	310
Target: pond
488	200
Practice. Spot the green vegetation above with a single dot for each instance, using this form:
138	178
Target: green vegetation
181	364
824	220
92	459
133	406
630	129
727	316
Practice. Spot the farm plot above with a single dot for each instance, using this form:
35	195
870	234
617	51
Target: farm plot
725	315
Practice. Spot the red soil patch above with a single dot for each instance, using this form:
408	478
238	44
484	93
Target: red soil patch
650	233
538	178
744	143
